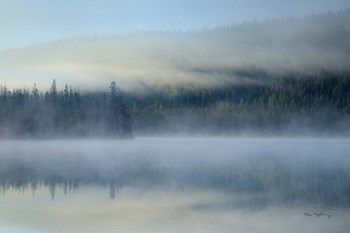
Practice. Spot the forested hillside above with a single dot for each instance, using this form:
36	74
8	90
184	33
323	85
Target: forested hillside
288	104
278	76
204	56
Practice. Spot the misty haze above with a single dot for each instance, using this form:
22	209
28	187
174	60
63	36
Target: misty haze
174	116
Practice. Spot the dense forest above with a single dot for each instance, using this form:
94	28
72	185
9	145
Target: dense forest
65	113
291	103
288	104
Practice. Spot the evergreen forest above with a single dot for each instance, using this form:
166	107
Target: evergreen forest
288	104
66	113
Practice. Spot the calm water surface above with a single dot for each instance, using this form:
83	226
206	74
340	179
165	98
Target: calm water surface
175	185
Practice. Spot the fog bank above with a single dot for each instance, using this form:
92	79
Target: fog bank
239	53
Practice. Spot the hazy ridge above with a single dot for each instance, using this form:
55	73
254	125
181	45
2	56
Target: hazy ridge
308	45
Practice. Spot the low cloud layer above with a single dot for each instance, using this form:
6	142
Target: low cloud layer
309	44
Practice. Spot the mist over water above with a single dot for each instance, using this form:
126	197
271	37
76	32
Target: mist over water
151	182
226	164
79	163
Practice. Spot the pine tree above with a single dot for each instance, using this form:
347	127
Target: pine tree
114	108
53	92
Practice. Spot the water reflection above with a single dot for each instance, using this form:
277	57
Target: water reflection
175	185
288	171
137	210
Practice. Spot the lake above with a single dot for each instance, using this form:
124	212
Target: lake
175	185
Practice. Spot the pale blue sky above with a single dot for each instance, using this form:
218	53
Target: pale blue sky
26	22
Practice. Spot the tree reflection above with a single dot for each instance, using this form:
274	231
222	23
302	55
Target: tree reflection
276	180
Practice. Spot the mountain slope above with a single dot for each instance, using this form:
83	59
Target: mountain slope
238	53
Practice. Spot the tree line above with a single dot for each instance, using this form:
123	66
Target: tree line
284	104
288	103
63	113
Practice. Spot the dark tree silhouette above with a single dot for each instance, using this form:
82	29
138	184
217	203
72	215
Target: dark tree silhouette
62	113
